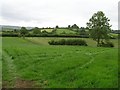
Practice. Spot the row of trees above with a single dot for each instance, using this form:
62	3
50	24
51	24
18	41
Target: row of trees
37	31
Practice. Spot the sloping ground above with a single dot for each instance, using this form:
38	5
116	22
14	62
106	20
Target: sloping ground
48	30
39	65
11	78
65	31
60	31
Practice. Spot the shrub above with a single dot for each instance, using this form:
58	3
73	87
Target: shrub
107	44
68	42
52	42
62	42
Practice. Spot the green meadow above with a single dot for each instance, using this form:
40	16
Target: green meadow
32	62
65	31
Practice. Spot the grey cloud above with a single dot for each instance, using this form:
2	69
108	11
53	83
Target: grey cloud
52	12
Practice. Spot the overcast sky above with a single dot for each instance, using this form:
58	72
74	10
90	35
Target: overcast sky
49	13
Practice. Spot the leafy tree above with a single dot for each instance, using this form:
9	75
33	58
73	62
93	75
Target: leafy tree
36	30
57	26
75	26
15	30
69	26
82	28
99	27
23	31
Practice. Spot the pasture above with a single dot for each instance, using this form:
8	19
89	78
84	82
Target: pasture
47	30
65	31
31	62
60	31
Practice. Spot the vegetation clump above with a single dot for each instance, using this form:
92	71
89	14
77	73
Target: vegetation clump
107	44
68	42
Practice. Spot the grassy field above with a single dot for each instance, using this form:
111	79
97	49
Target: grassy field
113	35
31	62
48	30
60	31
0	32
65	31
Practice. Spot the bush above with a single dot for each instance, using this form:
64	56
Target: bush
68	42
107	44
52	42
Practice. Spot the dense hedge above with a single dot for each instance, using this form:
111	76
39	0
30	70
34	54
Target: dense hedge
9	35
44	35
68	42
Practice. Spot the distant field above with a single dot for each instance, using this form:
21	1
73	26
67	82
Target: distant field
48	30
31	62
65	31
113	35
60	31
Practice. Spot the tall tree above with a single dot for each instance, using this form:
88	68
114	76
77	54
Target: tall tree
23	31
69	26
36	30
75	26
99	27
57	26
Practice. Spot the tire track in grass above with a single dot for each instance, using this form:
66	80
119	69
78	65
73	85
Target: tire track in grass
90	54
11	67
15	79
92	58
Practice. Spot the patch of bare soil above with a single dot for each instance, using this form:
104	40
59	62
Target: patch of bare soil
5	84
24	83
19	83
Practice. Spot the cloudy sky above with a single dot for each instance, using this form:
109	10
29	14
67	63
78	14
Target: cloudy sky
49	13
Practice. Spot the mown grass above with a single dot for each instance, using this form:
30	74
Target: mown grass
61	66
